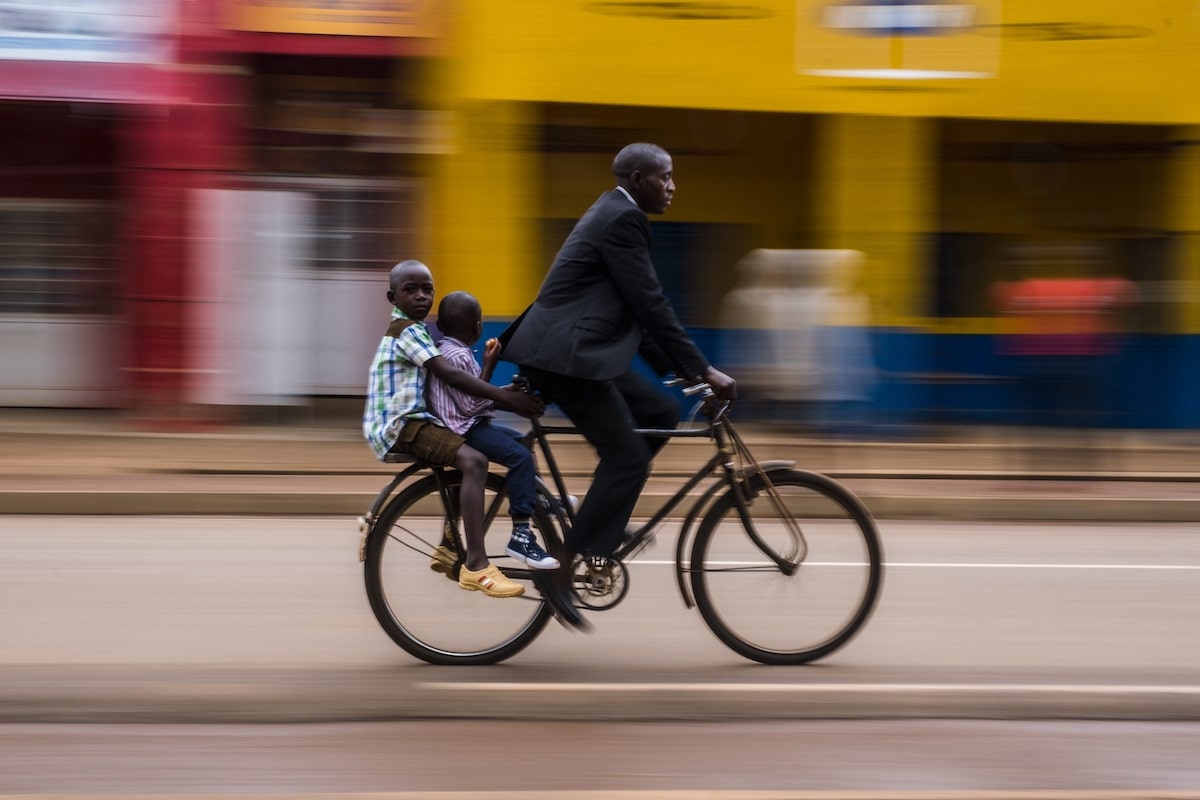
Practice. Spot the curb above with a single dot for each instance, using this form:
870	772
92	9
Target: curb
124	502
346	696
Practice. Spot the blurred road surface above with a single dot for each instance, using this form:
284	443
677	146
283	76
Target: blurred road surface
190	619
456	760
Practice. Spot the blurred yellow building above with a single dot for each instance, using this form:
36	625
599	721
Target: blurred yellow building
249	163
938	138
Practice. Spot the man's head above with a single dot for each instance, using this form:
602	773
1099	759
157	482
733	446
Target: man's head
410	289
645	171
460	316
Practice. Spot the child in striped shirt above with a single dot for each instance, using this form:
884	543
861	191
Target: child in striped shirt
460	319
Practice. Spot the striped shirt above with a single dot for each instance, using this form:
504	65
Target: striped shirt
396	392
455	408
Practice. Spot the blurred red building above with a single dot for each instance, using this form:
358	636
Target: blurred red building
137	137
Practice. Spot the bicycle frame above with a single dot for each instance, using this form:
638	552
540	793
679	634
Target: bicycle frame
721	467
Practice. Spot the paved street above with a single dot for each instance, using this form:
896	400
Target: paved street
506	760
1007	660
251	619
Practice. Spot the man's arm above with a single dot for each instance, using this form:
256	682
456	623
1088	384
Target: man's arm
527	405
627	254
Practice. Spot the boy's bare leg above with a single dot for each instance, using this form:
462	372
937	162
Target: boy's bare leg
473	465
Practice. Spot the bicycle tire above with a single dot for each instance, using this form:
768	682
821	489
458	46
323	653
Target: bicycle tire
748	602
424	611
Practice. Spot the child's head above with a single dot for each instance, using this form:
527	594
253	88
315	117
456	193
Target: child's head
410	289
460	316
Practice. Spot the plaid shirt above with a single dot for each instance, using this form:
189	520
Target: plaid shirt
455	408
396	392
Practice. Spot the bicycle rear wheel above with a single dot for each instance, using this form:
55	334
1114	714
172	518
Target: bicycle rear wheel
749	601
423	610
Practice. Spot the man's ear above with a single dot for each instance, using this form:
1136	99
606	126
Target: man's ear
391	297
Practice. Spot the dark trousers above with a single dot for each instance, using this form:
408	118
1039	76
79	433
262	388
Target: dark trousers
503	445
606	413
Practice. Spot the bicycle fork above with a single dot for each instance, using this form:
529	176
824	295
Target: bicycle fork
735	449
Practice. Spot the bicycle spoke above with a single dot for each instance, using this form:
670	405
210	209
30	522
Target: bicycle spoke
396	536
757	568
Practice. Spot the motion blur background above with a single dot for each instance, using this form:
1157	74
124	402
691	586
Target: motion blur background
888	213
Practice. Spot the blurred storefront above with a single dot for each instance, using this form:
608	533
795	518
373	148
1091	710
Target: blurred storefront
73	78
942	140
201	198
298	247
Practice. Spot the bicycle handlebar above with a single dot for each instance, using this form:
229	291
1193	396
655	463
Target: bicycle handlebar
702	388
689	389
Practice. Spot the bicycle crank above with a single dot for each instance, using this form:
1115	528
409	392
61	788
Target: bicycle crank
600	582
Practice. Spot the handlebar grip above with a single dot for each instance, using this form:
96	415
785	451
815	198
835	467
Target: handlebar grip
697	389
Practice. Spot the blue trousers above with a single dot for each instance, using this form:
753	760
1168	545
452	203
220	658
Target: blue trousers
503	445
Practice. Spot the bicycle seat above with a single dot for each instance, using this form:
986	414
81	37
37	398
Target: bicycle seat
399	458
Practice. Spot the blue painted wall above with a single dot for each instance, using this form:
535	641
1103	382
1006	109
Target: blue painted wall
931	379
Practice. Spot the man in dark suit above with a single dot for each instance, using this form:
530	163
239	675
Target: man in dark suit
601	304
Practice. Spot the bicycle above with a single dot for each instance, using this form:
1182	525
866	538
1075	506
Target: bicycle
771	557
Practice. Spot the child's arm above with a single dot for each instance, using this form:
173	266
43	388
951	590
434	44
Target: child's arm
527	405
491	354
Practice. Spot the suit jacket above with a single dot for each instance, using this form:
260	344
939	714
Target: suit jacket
602	302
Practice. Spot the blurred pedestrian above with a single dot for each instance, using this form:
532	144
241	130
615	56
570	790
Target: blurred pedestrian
799	328
1068	330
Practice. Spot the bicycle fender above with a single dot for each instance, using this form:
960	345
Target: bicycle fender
367	521
685	533
766	466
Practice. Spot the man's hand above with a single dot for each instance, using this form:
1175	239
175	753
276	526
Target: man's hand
723	386
523	403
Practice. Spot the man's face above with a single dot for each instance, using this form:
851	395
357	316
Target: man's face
654	187
414	293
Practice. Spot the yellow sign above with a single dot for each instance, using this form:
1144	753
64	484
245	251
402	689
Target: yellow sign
1072	60
332	17
897	42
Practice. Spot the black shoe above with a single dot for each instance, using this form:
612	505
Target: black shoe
556	590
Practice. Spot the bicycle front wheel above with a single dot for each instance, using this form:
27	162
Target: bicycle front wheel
753	604
419	603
